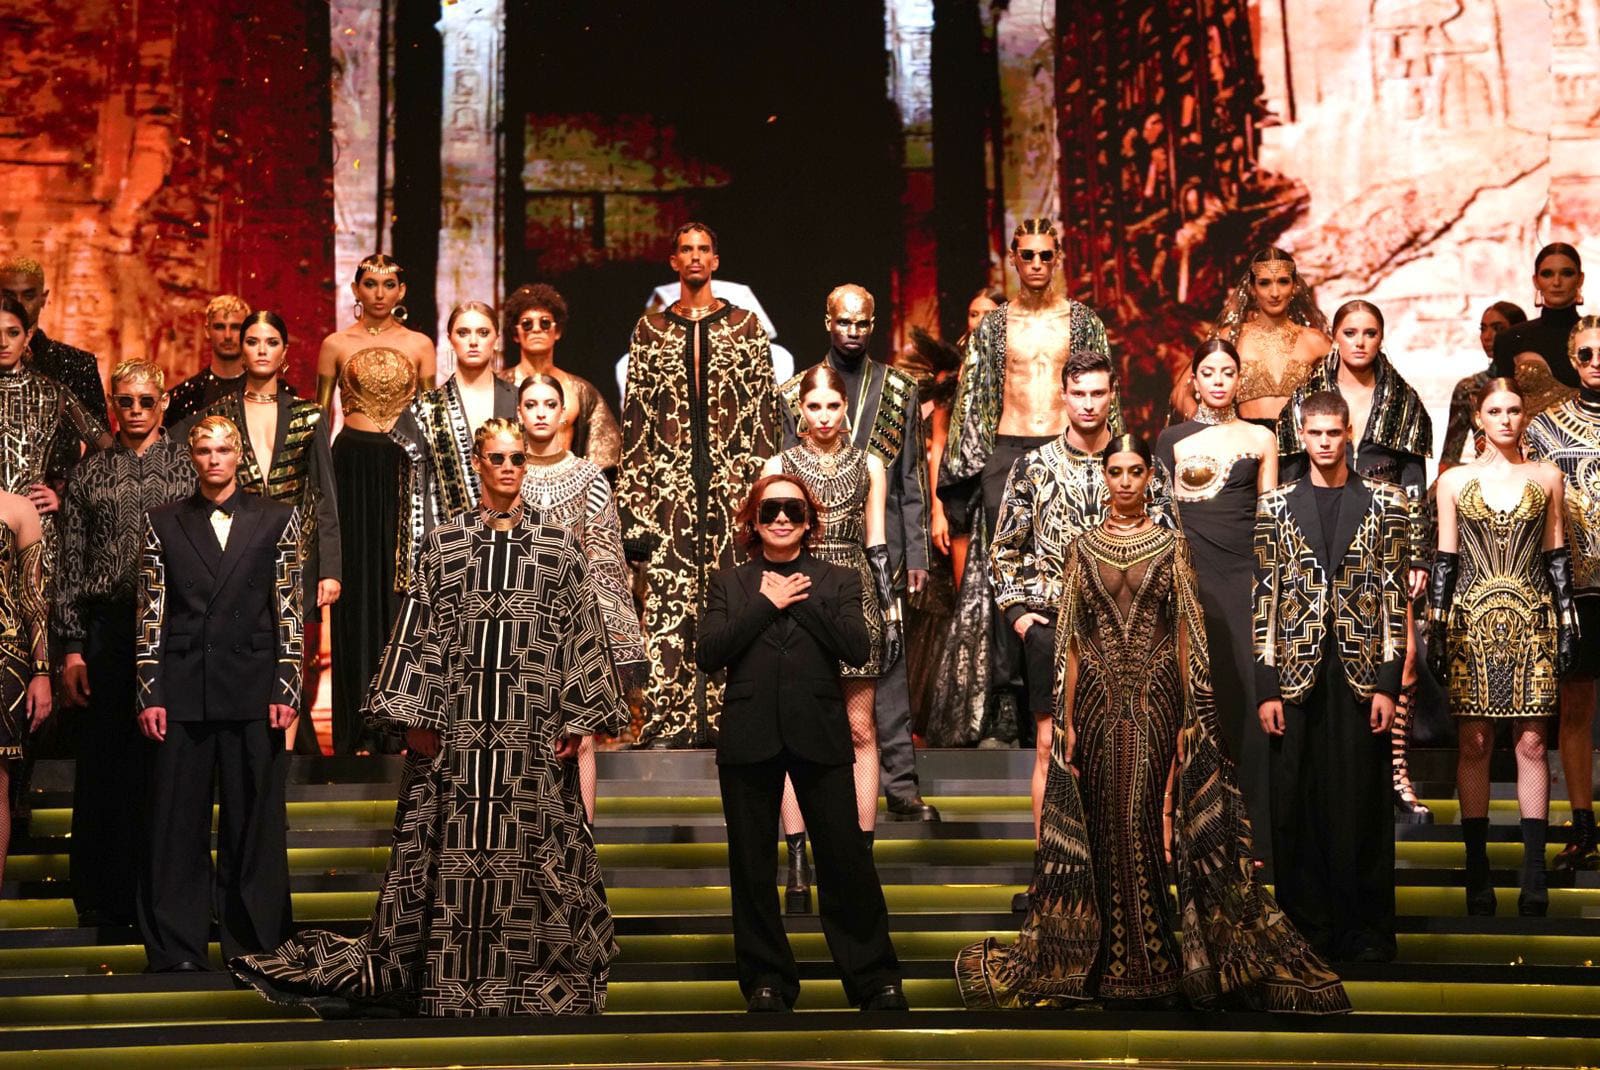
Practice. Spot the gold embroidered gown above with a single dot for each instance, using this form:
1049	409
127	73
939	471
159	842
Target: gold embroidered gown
839	483
1502	624
23	619
1101	923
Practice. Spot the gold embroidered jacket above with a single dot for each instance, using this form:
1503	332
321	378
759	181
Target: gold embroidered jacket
1356	587
1568	436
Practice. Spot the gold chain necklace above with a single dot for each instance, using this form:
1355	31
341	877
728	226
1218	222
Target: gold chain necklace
379	330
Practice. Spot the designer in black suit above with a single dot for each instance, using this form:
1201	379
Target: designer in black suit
218	654
780	625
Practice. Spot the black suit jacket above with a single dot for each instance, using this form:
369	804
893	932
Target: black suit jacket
783	665
220	630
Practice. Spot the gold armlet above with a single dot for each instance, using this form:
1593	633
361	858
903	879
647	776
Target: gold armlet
325	392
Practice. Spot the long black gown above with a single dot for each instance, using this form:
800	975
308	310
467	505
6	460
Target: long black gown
1215	498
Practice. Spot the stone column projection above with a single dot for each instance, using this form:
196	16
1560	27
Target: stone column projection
471	256
908	37
362	148
1025	46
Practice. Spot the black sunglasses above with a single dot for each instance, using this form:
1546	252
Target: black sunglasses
1044	255
543	323
497	459
144	401
773	508
1586	354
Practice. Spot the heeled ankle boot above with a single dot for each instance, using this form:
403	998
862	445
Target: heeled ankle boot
1534	899
871	838
1406	805
1481	901
1581	852
797	891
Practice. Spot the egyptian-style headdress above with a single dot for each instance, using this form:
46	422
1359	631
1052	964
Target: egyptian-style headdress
1241	302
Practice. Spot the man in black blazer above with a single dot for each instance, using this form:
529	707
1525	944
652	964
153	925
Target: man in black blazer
780	625
218	655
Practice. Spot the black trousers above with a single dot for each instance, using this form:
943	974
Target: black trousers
245	765
1008	669
108	779
1039	665
1333	821
891	709
855	919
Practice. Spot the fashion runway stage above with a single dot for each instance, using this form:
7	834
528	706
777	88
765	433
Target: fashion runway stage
1463	992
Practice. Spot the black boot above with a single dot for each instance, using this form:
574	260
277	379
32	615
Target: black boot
1534	899
1480	886
797	893
871	838
1581	852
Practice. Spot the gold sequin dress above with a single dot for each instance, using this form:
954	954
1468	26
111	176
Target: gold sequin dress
1502	624
839	483
23	619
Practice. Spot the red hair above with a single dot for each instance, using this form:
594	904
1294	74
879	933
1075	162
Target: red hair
745	519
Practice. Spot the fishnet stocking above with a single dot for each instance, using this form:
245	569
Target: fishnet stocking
1475	745
586	775
858	703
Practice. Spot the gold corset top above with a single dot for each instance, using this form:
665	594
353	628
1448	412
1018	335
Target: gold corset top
1256	379
378	383
1201	475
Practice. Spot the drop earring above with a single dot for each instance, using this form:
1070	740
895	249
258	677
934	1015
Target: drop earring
400	313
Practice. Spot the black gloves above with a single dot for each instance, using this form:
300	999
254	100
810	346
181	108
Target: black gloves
893	629
639	548
1558	566
1441	589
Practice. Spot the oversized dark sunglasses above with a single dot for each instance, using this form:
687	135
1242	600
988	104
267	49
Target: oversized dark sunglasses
1587	353
773	508
144	401
497	459
543	323
1044	255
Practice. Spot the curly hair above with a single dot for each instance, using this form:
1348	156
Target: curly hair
744	521
526	298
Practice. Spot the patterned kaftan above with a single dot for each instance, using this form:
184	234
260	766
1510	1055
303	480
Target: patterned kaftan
1501	629
694	434
573	494
1100	923
492	903
839	482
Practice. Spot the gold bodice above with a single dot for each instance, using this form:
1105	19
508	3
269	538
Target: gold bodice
378	383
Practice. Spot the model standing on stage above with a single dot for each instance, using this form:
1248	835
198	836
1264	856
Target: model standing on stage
781	625
945	539
380	293
224	319
849	486
1497	318
96	618
1331	631
1009	402
1568	436
535	316
22	280
566	491
492	903
1274	323
699	415
1502	629
1136	777
24	643
1393	441
1535	352
885	419
285	456
1219	464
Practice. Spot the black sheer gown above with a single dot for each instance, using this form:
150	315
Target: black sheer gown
1215	498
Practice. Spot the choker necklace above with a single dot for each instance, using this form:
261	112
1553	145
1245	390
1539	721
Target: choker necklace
379	330
1117	522
260	398
698	312
550	460
495	520
1207	415
827	460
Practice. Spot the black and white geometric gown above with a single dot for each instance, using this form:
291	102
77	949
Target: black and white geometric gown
492	903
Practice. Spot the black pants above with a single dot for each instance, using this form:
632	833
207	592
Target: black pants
1333	821
109	774
855	919
249	895
1039	663
891	709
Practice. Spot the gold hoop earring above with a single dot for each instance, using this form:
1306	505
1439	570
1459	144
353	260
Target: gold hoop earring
359	310
400	313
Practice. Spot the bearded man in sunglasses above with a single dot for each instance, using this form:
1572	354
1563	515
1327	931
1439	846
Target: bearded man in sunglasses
1568	436
1010	401
780	624
95	612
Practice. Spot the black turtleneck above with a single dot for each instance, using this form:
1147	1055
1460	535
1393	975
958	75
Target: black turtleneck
852	371
1545	335
783	568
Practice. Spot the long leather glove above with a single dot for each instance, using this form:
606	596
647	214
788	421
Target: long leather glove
893	629
1558	566
1441	591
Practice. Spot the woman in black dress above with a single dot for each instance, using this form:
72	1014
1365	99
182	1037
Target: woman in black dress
1535	352
1218	464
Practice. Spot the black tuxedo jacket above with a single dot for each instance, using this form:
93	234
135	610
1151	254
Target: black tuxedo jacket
220	630
783	665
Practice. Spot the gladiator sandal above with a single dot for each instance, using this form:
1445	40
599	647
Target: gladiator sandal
1406	805
797	891
1581	851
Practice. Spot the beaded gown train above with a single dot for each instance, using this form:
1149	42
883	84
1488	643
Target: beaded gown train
1502	624
1100	922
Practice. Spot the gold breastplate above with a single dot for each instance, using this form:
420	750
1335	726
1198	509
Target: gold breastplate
378	383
